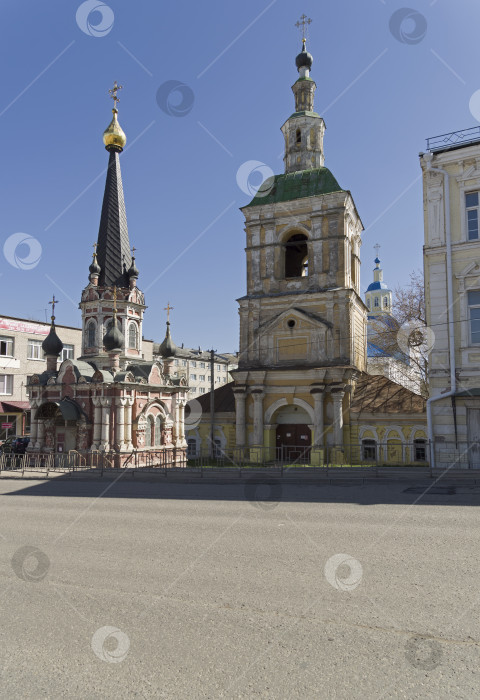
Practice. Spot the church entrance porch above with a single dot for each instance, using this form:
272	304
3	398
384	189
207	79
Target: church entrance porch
293	442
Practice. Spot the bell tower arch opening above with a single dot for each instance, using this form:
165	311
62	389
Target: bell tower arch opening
296	256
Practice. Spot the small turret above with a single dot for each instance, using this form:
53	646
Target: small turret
52	346
94	268
113	340
133	271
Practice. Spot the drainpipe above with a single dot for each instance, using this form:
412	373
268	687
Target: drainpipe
451	333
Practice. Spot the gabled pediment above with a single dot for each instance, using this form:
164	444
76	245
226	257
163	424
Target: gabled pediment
471	270
300	317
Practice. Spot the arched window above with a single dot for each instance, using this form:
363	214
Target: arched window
191	448
132	336
375	303
369	450
91	335
420	446
149	431
385	302
158	430
296	256
298	136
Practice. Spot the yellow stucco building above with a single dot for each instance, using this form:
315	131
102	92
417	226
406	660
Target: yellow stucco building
301	387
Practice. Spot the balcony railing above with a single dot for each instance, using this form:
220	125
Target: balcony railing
454	139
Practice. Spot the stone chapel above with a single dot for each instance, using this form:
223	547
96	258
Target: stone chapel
110	399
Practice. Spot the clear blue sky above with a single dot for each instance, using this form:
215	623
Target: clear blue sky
381	96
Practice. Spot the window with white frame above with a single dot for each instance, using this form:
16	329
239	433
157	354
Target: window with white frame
132	336
193	376
369	450
67	352
201	377
201	390
471	206
6	346
6	384
34	350
420	446
385	302
219	367
474	316
202	365
193	363
91	334
375	303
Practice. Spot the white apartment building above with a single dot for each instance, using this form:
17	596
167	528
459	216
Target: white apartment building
21	356
195	366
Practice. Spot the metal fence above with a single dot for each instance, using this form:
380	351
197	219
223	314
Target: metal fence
369	453
456	455
98	462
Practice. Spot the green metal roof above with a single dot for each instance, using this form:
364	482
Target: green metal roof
304	113
302	183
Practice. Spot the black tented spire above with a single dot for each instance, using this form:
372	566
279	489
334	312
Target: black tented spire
113	250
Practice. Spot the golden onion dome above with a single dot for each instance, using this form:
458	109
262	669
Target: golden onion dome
114	135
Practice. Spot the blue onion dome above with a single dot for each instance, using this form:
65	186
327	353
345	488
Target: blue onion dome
133	271
375	286
113	338
95	268
168	347
304	59
52	345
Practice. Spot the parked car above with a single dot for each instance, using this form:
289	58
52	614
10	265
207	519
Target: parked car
15	444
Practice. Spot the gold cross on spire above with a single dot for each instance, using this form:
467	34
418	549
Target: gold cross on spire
168	308
113	93
95	248
377	248
133	251
303	22
53	302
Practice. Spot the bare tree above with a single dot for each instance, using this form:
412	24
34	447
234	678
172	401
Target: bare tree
399	341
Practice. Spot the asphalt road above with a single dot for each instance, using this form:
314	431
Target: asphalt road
202	591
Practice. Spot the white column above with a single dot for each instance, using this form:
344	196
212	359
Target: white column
97	422
33	425
40	434
181	423
240	397
128	424
258	416
318	424
120	424
105	436
337	396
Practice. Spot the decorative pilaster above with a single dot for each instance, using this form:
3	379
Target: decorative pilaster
97	422
128	424
120	424
105	434
258	396
318	425
40	434
337	396
240	397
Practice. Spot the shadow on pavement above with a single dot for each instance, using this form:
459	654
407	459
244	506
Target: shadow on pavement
259	490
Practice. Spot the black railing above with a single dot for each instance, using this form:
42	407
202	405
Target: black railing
454	139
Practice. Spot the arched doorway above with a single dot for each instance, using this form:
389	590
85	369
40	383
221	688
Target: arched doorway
293	437
60	422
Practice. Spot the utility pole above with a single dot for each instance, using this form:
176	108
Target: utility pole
212	402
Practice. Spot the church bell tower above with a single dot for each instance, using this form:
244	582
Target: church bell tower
112	298
302	320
